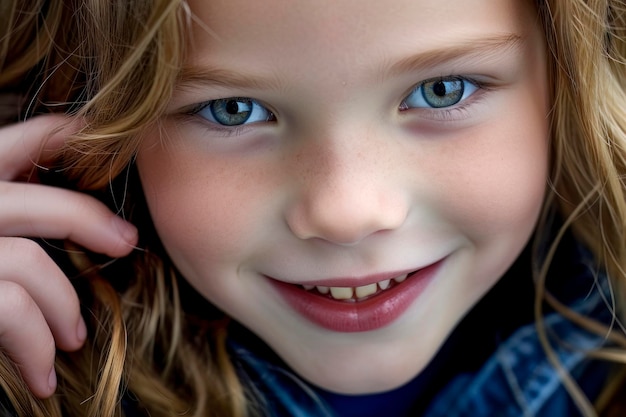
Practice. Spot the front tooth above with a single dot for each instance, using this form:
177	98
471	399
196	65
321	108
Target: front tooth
384	284
341	293
323	290
400	278
365	290
308	287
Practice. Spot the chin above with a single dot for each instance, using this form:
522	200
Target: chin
375	379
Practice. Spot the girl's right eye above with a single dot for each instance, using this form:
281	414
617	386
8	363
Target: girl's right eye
234	111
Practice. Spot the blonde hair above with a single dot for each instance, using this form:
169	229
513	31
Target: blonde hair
587	47
118	74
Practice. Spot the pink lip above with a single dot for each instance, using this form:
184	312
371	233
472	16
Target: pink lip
359	316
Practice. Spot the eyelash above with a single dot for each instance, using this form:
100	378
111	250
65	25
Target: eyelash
456	111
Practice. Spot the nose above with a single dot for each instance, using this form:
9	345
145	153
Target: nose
346	192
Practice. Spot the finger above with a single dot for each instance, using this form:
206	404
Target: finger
26	338
26	144
27	265
41	211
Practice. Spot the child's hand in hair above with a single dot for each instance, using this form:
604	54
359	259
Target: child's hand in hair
38	306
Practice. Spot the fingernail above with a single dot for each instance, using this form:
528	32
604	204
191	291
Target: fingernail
127	230
81	331
52	380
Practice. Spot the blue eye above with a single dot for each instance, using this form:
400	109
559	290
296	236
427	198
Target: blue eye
234	111
439	93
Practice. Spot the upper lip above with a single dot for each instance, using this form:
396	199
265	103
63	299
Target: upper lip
355	281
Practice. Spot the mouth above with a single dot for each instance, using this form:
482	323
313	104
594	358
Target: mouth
343	308
354	294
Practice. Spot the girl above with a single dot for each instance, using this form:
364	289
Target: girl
343	208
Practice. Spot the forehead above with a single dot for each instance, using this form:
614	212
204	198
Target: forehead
278	29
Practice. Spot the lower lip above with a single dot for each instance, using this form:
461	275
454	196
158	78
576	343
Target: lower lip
358	316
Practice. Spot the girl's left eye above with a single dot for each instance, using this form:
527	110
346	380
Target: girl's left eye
439	93
234	111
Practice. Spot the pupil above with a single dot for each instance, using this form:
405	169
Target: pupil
439	88
232	107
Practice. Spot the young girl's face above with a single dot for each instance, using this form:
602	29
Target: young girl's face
346	144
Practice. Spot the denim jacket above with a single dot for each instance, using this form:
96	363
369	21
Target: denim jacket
515	380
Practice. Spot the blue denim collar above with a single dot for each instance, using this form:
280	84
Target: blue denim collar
519	380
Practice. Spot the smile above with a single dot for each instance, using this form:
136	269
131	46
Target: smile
356	293
344	308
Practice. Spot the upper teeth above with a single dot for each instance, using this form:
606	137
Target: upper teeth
347	293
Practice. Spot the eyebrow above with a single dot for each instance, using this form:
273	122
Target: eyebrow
483	48
208	76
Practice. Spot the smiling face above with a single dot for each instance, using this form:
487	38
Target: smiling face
317	153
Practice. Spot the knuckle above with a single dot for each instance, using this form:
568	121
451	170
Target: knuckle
24	261
16	302
88	206
28	250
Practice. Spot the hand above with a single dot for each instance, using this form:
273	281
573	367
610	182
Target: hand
38	306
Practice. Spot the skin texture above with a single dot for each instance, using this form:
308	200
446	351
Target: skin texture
345	180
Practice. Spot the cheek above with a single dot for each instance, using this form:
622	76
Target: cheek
492	194
501	190
497	181
204	211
